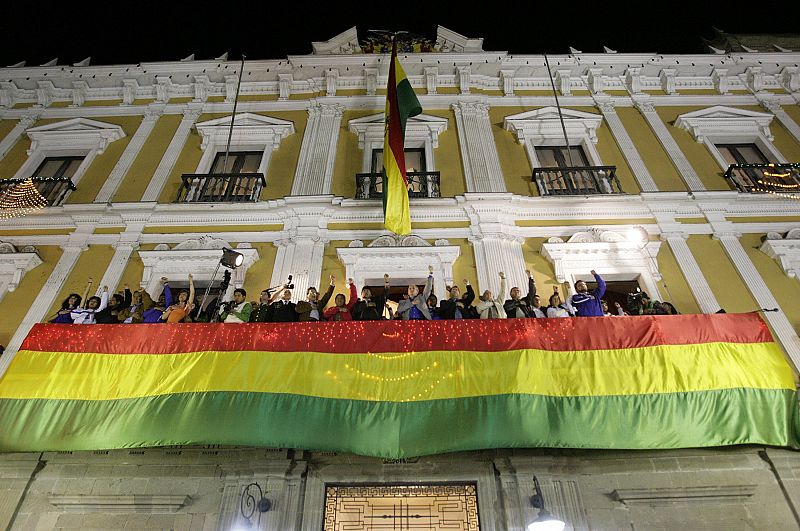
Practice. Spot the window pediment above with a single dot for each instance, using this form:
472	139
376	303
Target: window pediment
725	124
249	129
543	126
784	249
74	134
14	264
370	129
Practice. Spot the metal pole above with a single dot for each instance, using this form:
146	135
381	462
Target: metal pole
558	106
208	289
233	116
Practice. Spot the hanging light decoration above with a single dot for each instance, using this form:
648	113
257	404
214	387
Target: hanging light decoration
20	200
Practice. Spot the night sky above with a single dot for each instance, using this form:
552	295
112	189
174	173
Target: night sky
170	31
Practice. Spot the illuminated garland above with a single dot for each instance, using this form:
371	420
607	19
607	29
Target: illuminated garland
20	200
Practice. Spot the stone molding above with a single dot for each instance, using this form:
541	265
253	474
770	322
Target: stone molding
711	495
198	256
314	172
404	259
479	153
421	131
121	503
250	132
14	264
725	124
610	253
74	134
784	249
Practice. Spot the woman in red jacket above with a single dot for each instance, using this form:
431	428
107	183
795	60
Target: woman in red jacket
342	311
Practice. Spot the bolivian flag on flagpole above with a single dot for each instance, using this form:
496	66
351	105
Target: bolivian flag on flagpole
401	104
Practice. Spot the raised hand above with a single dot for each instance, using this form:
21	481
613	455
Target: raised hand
333	280
430	269
105	288
164	280
593	272
350	281
502	275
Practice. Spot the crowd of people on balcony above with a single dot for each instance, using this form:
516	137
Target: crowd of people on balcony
276	306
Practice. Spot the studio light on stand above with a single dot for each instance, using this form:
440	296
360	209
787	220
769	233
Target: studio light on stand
230	259
544	521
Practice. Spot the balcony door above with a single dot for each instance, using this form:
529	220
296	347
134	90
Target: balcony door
228	181
567	180
415	163
51	176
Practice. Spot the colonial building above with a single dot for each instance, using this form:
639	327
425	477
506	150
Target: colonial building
673	174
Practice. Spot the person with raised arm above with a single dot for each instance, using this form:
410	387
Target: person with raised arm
311	308
491	307
94	304
588	304
282	310
343	311
415	305
70	304
369	308
179	312
456	306
517	306
558	308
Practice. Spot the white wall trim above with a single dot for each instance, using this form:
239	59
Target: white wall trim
14	264
786	250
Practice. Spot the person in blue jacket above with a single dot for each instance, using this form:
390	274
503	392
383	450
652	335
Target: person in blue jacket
589	304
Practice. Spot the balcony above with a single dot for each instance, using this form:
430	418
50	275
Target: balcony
424	184
577	180
220	188
765	178
53	189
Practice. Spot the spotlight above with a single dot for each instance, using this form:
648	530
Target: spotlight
231	258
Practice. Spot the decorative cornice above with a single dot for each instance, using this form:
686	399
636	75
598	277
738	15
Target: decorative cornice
121	503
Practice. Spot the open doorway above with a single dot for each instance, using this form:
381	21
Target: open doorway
395	295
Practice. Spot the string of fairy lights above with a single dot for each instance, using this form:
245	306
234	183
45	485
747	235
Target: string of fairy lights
780	180
20	200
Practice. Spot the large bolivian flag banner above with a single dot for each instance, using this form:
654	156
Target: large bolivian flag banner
396	389
401	104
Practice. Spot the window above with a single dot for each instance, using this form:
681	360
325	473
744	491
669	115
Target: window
238	162
576	177
742	154
557	156
415	160
57	167
226	182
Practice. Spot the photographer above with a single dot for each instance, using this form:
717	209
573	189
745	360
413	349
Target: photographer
238	310
283	310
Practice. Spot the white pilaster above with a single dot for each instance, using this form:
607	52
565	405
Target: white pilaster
783	117
680	161
478	150
11	138
122	254
132	150
691	271
495	253
640	171
318	150
761	293
300	257
42	301
160	176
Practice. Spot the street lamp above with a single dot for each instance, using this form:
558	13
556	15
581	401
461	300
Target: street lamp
248	505
544	521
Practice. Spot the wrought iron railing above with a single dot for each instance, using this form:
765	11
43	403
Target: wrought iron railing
577	180
421	184
220	187
53	189
765	178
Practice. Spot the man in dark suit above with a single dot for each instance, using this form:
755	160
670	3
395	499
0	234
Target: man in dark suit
458	307
517	306
283	310
260	312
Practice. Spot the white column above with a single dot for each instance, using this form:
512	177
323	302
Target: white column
691	271
44	300
670	145
301	257
478	150
761	293
115	270
495	253
160	176
129	155
775	108
314	173
629	151
11	138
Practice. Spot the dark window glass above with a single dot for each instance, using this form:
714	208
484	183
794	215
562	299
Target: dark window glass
415	160
238	162
56	167
742	154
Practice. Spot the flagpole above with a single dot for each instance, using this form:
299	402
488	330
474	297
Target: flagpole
558	107
233	116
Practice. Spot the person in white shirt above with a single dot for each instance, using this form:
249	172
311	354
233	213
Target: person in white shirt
93	305
492	307
558	308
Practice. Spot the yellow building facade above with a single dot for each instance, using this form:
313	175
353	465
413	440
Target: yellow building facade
645	196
